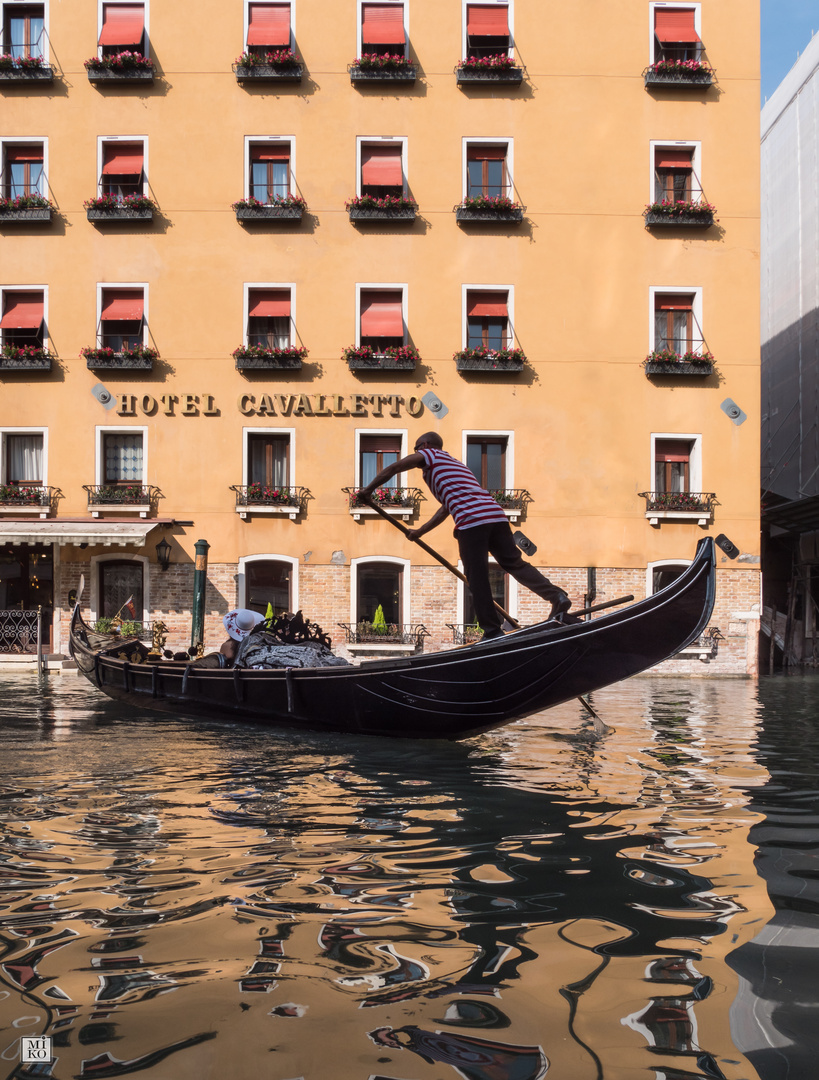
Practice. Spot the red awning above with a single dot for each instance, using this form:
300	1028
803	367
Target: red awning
381	315
18	154
270	152
122	24
269	25
122	159
23	311
269	303
481	304
673	303
381	165
673	159
382	24
122	305
485	21
675	25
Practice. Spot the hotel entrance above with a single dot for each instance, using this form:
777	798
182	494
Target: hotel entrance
26	582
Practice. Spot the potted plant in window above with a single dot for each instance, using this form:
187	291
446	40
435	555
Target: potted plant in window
281	208
489	209
120	208
696	213
385	497
381	208
25	208
393	358
134	357
24	69
382	67
270	498
678	73
277	65
25	495
25	358
499	68
482	358
118	494
669	362
125	66
270	358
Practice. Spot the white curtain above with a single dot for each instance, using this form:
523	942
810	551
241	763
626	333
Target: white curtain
25	459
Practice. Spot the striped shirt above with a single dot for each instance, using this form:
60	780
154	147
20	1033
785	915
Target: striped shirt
455	487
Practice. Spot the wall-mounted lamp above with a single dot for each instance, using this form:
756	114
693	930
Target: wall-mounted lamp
163	553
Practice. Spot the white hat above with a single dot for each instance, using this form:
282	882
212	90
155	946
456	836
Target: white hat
239	623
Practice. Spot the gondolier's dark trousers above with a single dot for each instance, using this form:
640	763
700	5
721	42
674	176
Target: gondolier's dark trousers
476	545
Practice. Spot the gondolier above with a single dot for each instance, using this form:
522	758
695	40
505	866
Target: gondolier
481	529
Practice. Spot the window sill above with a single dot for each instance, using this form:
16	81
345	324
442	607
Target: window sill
389	649
379	362
32	75
405	75
683	367
38	364
269	213
16	509
261	508
269	73
509	76
654	220
98	509
465	216
377	213
128	75
119	362
694	80
404	512
39	215
699	517
122	215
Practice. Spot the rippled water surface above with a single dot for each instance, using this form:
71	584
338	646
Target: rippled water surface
192	899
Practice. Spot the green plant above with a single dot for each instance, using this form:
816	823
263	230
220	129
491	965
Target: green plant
120	62
120	202
274	58
381	62
33	201
287	202
126	628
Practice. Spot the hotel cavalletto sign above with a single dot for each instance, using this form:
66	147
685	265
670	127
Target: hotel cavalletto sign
271	405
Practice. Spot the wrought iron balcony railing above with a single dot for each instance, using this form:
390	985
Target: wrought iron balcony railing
270	499
18	630
688	503
121	496
24	498
464	633
365	633
395	500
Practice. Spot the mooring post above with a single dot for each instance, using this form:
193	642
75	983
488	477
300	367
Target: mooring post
39	639
200	579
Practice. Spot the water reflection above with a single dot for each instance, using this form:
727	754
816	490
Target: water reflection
240	903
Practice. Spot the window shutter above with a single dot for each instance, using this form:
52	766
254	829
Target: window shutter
270	152
486	153
484	21
483	304
672	450
381	165
20	154
122	305
381	315
673	303
122	159
122	24
22	311
269	303
381	444
269	25
675	25
382	24
673	159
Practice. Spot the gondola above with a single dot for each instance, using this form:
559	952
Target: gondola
445	695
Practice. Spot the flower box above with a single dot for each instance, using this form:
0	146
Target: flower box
395	501
120	75
364	358
383	208
269	73
125	66
688	213
678	367
470	73
130	498
678	73
11	215
387	68
25	358
121	214
268	499
139	359
290	208
679	506
26	499
257	358
489	360
487	215
18	74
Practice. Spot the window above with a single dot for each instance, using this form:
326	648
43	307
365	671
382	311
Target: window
381	317
123	168
122	457
675	32
673	172
487	319
120	581
268	455
375	452
23	169
383	28
122	318
486	459
270	169
488	29
123	28
379	584
23	319
499	581
24	29
269	27
673	323
487	171
268	581
381	170
269	318
661	574
23	458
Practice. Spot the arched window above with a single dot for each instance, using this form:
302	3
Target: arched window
268	581
661	574
120	580
379	584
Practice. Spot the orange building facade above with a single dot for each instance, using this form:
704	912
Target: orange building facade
246	260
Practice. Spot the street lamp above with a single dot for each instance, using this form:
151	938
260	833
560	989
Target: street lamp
163	553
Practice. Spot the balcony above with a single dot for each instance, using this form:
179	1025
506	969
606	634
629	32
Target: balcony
119	68
261	358
395	501
384	637
489	210
465	633
489	70
122	498
25	358
279	65
120	209
389	68
283	208
395	358
492	361
705	648
513	501
697	361
678	74
26	499
22	70
694	507
260	498
369	208
26	210
138	358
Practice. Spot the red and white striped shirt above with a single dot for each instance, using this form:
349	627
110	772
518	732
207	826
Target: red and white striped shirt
455	487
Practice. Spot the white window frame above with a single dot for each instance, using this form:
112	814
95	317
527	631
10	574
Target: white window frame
94	600
101	431
489	140
403	512
108	140
272	557
269	430
8	5
402	564
381	286
256	140
674	144
663	564
4	432
509	467
657	4
21	140
512	589
146	7
103	285
246	22
6	289
694	291
510	307
382	140
360	20
250	285
695	480
510	15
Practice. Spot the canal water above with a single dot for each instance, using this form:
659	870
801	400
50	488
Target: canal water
202	900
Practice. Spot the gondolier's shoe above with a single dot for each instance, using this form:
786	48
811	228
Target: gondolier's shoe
560	605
